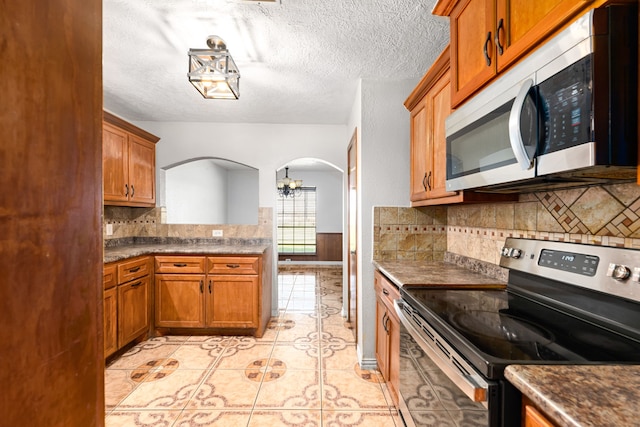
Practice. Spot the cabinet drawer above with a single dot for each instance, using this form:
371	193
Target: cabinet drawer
133	269
234	265
386	290
180	264
109	279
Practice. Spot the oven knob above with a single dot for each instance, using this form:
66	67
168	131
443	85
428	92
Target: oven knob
618	271
516	253
505	252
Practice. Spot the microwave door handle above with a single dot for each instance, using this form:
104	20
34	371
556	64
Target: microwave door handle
515	136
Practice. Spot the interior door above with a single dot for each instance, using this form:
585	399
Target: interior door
353	233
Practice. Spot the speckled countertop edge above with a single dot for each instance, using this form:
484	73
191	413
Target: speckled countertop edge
150	246
437	273
581	395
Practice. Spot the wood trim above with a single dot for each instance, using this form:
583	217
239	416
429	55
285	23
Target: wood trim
444	7
432	76
129	127
329	248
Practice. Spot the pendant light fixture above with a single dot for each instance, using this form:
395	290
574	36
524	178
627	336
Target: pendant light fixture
288	187
213	72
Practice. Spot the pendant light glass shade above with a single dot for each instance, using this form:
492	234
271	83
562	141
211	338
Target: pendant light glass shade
213	72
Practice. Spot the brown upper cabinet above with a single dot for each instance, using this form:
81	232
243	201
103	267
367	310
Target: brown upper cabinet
429	105
128	163
487	36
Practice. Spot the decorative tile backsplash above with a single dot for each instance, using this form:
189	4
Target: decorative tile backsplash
604	215
409	234
150	222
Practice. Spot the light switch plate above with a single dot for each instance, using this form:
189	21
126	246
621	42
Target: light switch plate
216	233
109	229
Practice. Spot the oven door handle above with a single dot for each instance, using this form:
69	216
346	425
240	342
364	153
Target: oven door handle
454	367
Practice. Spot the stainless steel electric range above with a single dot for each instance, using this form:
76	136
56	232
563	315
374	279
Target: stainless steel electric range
564	303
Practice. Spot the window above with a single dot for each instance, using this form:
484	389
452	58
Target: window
297	223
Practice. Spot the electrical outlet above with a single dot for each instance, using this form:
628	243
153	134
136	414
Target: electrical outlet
109	229
216	233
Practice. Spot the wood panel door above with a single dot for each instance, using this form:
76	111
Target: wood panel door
142	167
51	253
133	309
115	163
179	300
382	339
232	301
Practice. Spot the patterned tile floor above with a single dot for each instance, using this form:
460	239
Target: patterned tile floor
302	372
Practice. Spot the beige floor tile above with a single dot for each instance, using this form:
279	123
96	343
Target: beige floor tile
194	355
242	356
117	385
358	418
347	390
286	418
303	357
338	355
226	389
143	353
207	418
293	390
141	418
170	392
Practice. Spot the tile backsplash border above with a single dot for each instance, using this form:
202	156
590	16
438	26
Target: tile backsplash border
600	215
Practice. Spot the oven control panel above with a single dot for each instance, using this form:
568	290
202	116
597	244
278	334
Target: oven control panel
606	269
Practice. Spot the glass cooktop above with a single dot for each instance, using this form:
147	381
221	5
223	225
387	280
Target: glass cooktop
494	328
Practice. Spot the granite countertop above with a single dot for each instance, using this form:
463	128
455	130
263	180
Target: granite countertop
184	246
435	273
581	395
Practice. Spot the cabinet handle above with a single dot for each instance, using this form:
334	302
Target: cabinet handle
386	325
424	181
486	49
209	286
135	269
126	189
386	292
429	181
135	285
497	39
202	286
384	322
179	264
233	265
133	190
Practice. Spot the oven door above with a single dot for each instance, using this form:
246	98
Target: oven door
437	386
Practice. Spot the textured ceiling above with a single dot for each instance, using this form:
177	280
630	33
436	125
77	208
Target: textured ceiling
299	60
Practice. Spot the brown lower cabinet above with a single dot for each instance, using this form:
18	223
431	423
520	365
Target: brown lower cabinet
531	417
218	292
127	285
387	333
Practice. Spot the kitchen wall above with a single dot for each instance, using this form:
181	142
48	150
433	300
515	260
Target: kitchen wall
601	215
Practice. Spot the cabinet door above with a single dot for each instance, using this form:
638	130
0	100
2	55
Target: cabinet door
420	152
133	309
523	24
533	418
439	107
110	321
233	301
394	356
382	339
142	170
115	163
180	300
473	58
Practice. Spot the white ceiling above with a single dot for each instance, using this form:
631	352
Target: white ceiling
299	60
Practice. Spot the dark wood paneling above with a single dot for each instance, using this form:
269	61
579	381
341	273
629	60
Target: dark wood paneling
50	210
328	248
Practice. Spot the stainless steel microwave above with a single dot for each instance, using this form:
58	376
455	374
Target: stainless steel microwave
565	116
